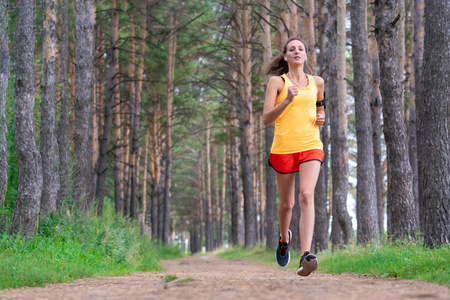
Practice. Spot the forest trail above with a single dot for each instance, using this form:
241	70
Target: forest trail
211	277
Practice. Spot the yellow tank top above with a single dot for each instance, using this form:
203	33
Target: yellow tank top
295	128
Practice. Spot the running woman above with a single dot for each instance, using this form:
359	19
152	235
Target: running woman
295	102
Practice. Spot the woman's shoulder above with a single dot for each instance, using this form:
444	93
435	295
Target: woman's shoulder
318	80
320	83
277	81
276	78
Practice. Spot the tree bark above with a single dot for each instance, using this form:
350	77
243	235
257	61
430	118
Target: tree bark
375	106
320	237
282	33
84	56
416	89
366	194
261	185
143	214
293	18
433	135
338	115
29	164
246	121
64	121
134	158
309	35
49	145
4	75
401	45
236	220
401	206
128	114
223	199
111	87
155	162
117	128
271	201
208	205
215	192
172	48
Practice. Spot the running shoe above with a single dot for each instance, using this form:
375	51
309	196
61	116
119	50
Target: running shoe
282	255
308	263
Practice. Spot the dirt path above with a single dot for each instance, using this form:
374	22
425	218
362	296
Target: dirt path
210	277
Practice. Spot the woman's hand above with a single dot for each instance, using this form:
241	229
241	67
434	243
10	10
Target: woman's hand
292	91
320	119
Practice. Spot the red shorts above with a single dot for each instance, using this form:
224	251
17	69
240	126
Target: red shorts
288	163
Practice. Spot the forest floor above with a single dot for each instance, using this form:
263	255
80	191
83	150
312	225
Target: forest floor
211	277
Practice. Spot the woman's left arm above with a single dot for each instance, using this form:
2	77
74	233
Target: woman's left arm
320	119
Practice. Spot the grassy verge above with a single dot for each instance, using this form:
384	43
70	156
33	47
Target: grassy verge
68	247
405	261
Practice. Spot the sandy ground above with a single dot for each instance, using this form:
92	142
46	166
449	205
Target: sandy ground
210	277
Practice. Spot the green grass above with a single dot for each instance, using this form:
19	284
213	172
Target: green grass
67	247
401	260
170	278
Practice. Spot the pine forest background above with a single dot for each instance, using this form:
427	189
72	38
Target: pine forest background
156	106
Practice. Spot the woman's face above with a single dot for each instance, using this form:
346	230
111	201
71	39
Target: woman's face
295	52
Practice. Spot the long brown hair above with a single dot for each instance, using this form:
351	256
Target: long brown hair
277	65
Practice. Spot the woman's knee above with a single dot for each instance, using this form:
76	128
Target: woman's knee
306	197
286	206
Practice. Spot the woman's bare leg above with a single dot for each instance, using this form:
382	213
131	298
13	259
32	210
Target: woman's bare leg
308	174
286	189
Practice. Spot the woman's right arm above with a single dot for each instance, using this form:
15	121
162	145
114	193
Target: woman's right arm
272	112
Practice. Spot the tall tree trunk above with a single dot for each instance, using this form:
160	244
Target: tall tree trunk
282	33
336	230
208	205
433	135
293	18
375	106
202	196
128	114
215	192
143	214
72	98
97	116
4	75
246	121
161	187
173	23
117	127
320	237
49	144
236	231
416	90
64	122
339	145
155	162
111	87
223	199
401	206
84	56
262	187
137	112
29	164
401	45
271	201
366	193
308	34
